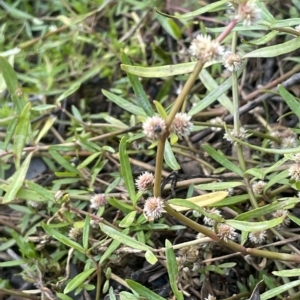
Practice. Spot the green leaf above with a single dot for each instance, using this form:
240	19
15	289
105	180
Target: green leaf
222	160
112	247
143	291
172	268
266	209
124	207
123	103
89	159
62	238
277	178
71	90
150	257
40	190
287	273
63	297
255	172
11	81
9	132
78	280
17	180
163	71
276	50
138	89
20	133
232	200
254	226
294	219
160	109
128	220
124	239
211	85
278	290
62	162
200	11
214	94
86	232
126	169
290	100
169	26
11	263
218	185
170	158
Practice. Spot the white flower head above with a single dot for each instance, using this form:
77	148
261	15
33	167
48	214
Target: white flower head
248	13
232	61
258	187
241	135
294	172
98	200
154	127
181	125
227	232
145	181
153	208
211	222
257	237
297	28
203	47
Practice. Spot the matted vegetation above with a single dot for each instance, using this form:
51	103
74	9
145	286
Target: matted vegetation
149	150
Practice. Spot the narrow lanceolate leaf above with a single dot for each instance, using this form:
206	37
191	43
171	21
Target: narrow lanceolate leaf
63	162
123	103
138	89
71	90
170	158
11	81
290	100
200	11
287	273
172	270
200	201
143	291
86	232
275	292
275	50
17	180
218	185
126	169
222	160
63	238
254	226
21	132
78	280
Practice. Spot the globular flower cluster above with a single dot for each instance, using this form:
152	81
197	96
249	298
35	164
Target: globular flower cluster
97	201
209	221
258	237
241	135
282	212
154	127
258	186
75	233
294	172
286	138
153	208
232	61
227	232
145	182
182	125
206	49
216	121
248	13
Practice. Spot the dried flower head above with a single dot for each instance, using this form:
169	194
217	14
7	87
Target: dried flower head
145	182
241	135
294	172
153	208
258	187
216	121
75	233
248	12
232	61
226	232
202	47
282	212
97	201
257	237
286	138
211	222
181	125
189	253
154	127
